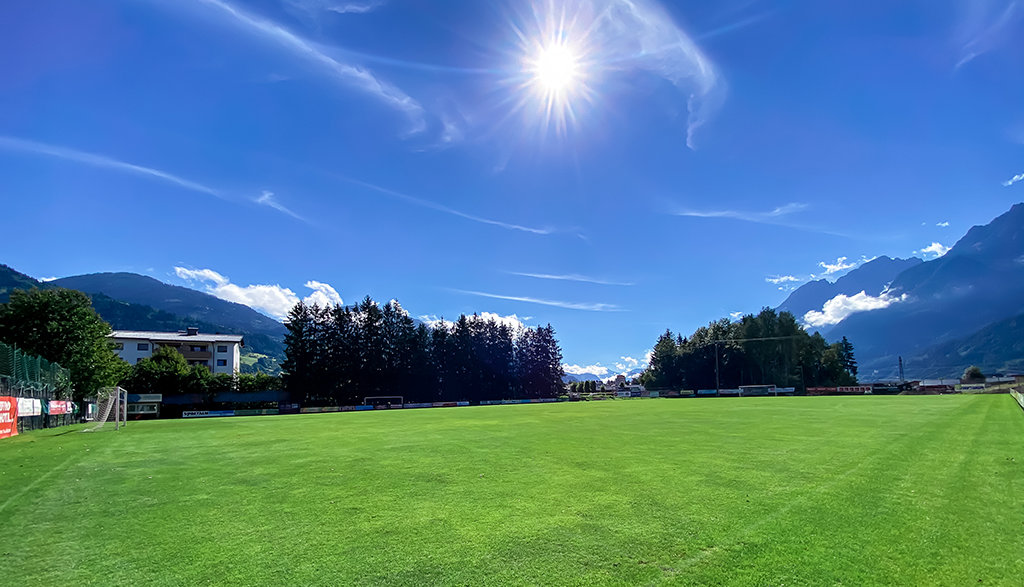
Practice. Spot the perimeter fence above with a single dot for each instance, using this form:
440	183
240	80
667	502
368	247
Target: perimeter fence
38	391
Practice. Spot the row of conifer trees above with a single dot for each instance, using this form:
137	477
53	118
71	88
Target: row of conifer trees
338	355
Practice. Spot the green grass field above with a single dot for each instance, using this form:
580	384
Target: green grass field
774	491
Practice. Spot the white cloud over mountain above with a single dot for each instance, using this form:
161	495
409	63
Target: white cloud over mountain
272	300
937	249
597	370
840	307
840	265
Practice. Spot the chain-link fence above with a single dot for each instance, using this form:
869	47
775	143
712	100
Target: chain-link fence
42	389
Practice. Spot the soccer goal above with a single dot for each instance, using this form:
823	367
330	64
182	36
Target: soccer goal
111	406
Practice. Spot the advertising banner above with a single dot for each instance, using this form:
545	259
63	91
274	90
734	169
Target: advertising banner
29	406
207	414
311	410
8	416
58	407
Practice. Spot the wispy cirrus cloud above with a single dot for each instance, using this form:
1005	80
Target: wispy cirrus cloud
769	217
987	26
586	306
350	75
312	12
422	203
570	277
355	7
642	34
942	224
314	6
1014	179
94	160
267	199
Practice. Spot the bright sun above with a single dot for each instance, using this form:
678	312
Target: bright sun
556	69
556	81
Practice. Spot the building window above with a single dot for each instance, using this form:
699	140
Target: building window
198	348
143	346
222	362
118	346
222	348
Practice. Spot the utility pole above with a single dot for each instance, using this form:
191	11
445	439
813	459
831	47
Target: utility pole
718	386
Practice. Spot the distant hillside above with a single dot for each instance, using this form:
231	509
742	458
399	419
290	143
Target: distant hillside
980	281
123	315
570	378
11	279
128	316
180	301
997	348
871	277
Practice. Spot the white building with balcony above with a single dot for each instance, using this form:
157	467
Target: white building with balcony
220	353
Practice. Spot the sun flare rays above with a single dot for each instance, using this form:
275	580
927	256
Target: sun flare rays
557	68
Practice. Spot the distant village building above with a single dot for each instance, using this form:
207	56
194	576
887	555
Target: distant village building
220	353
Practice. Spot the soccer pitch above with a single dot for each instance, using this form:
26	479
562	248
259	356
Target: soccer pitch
861	490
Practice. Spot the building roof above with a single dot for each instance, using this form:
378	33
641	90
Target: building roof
180	336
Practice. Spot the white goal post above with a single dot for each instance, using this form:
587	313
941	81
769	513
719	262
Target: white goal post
111	405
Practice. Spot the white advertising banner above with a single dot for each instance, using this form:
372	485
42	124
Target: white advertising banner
29	406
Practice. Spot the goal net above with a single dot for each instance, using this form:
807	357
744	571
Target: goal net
111	406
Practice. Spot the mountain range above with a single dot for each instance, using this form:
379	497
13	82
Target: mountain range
136	302
572	378
872	278
940	315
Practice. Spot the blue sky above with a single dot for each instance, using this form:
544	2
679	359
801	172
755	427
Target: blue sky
612	167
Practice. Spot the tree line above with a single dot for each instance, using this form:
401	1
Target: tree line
62	326
337	355
769	348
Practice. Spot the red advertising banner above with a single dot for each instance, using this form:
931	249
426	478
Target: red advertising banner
58	407
8	416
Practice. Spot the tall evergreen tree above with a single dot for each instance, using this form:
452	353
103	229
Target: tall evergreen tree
300	353
849	361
